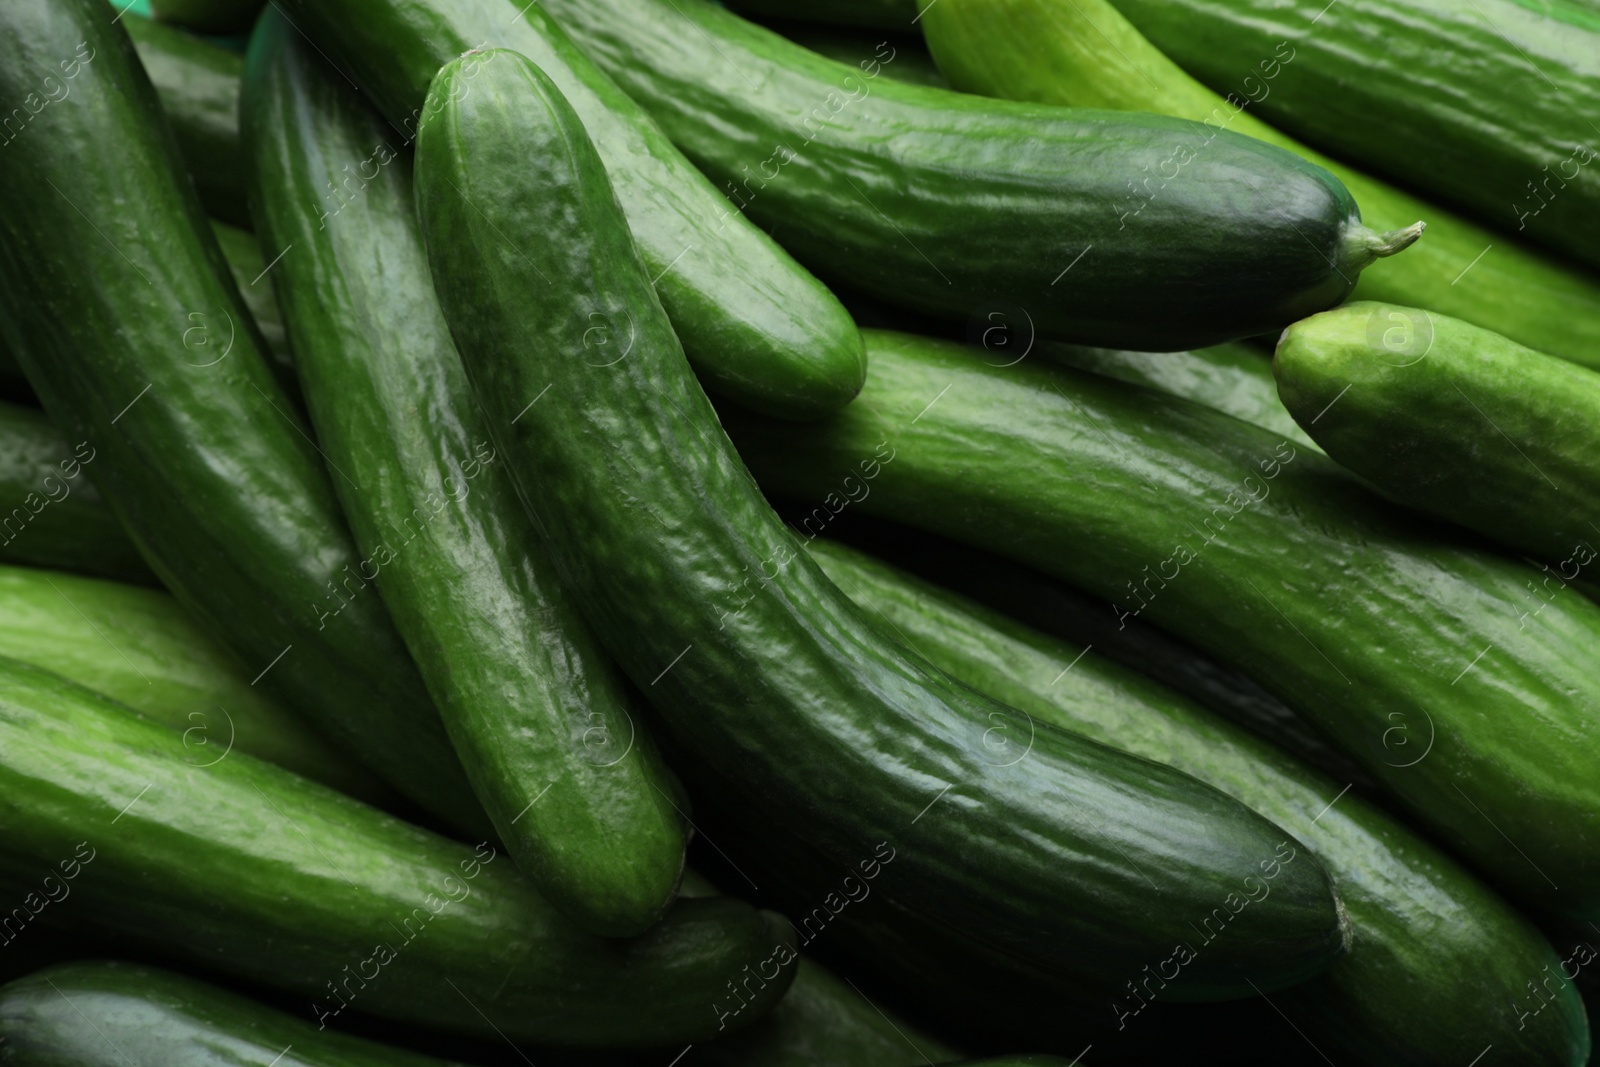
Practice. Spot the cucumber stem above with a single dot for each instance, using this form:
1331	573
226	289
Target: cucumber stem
1361	246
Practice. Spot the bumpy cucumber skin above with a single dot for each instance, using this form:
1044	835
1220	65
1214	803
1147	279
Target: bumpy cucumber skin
538	713
1469	104
1456	421
1406	648
250	274
1433	951
251	870
198	84
116	1014
118	304
798	697
1057	52
758	327
952	204
54	516
138	647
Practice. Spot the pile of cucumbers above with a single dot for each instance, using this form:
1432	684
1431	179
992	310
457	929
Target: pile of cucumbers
863	533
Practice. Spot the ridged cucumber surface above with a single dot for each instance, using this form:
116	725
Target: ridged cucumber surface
665	543
1084	53
1407	648
117	302
539	714
952	204
248	869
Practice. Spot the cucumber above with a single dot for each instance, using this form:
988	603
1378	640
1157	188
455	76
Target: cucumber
1398	642
115	1014
255	872
249	270
797	698
947	204
908	60
1085	54
761	330
1387	1000
538	713
1498	128
208	16
138	647
198	84
1235	379
54	516
116	299
1458	422
871	14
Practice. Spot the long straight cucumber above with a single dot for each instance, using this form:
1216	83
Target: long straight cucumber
248	869
1484	105
952	204
665	542
1406	648
116	299
51	515
537	711
1458	422
1084	53
760	329
138	647
1396	997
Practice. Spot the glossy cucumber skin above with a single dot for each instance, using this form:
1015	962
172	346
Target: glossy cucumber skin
759	328
1456	421
198	84
951	204
1235	379
54	516
538	713
318	887
138	647
1471	105
1421	925
1055	51
120	309
868	14
116	1014
250	274
1401	645
798	697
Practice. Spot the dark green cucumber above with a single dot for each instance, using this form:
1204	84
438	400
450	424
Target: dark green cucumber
1486	106
52	515
117	302
664	540
198	84
1235	379
1459	422
538	713
1083	53
1397	997
138	647
873	14
950	204
250	274
208	16
117	1014
251	870
760	330
1405	647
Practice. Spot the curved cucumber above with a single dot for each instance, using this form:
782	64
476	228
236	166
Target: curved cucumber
250	274
138	344
198	85
251	870
138	647
53	516
117	1014
760	330
1084	53
1404	647
1458	422
1482	105
665	542
1395	997
537	711
950	204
